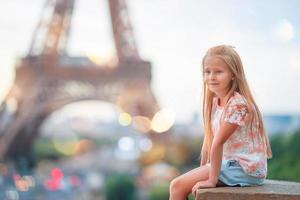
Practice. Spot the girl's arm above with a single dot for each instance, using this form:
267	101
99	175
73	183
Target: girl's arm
226	130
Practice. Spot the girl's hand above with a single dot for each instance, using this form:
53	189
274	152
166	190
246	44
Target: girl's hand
202	184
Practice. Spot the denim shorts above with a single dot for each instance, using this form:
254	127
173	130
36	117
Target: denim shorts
232	174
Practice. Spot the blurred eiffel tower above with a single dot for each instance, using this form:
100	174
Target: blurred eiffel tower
47	78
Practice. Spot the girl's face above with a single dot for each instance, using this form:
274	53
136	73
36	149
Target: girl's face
217	75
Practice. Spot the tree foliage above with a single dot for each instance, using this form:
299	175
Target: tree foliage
285	164
120	186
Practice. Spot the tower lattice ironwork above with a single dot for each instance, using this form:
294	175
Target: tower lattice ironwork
47	78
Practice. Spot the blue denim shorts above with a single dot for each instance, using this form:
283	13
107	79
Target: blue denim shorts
232	174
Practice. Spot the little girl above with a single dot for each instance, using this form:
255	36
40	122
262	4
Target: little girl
235	147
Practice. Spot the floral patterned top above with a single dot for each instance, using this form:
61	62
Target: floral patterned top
245	144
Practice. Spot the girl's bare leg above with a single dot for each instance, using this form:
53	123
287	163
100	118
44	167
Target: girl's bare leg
181	186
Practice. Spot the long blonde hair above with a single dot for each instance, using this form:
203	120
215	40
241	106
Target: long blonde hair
240	85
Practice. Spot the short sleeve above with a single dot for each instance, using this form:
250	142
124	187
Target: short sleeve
236	114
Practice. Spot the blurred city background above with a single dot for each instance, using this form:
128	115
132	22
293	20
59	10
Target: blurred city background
101	99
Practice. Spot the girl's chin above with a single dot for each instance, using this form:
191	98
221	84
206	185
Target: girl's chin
216	92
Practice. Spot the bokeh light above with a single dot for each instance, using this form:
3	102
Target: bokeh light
102	59
141	124
163	120
145	144
66	146
156	154
285	30
126	143
125	119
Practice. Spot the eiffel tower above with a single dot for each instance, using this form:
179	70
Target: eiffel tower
47	78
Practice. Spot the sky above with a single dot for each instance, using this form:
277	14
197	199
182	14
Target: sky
174	35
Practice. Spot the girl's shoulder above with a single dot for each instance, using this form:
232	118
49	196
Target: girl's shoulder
237	110
237	99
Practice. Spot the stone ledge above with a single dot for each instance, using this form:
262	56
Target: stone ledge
272	189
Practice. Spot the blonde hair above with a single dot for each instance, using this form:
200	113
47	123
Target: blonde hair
240	85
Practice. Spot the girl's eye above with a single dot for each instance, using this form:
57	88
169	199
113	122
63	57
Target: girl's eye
206	72
219	71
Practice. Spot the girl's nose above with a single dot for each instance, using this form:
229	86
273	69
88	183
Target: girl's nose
211	76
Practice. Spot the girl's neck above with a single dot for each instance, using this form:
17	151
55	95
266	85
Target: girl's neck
223	99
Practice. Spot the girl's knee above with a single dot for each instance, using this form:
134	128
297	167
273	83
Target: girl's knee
175	185
178	189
